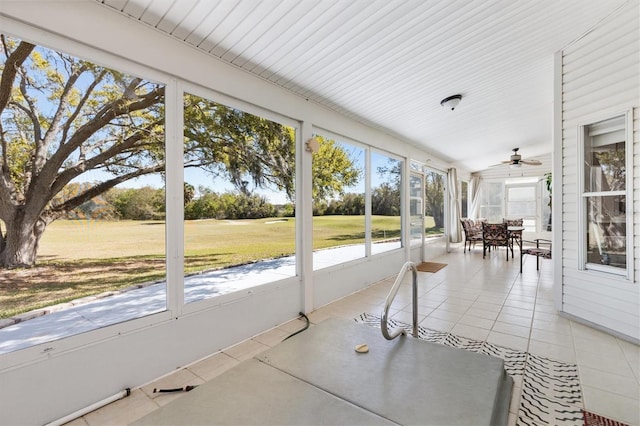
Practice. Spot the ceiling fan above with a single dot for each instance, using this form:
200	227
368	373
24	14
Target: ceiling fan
516	160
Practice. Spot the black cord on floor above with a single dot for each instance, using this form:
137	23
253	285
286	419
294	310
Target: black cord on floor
184	389
301	330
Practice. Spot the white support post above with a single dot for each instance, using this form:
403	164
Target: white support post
304	216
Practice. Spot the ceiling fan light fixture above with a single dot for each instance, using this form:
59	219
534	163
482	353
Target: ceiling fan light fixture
515	165
451	102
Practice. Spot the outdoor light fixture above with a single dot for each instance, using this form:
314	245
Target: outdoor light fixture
312	145
451	102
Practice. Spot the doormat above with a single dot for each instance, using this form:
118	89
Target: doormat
591	419
430	266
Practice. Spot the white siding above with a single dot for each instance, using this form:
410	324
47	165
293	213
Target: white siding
600	78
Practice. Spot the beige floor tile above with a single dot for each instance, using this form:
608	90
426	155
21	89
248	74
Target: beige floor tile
463	297
514	320
476	321
469	331
553	338
435	297
272	337
213	366
521	297
508	340
447	305
611	405
519	312
429	303
491	299
245	350
318	316
632	354
437	324
559	326
545	308
605	348
519	304
585	332
613	383
122	412
546	316
407	317
560	353
487	306
491	315
445	315
593	359
514	330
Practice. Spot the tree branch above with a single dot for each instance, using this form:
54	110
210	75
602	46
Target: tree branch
11	66
101	188
111	111
72	172
49	172
55	125
83	101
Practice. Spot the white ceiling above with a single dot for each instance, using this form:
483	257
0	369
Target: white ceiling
388	63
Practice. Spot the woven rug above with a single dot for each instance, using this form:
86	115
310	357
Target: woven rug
430	266
592	419
551	393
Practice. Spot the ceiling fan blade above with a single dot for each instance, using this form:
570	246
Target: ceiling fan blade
531	162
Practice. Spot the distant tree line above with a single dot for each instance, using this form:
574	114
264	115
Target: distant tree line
147	203
385	201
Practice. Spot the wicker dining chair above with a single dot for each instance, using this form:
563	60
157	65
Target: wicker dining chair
495	235
472	233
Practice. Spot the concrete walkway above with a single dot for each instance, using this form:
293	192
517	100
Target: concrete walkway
72	318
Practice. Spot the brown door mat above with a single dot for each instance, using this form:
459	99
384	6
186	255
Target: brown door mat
430	266
592	419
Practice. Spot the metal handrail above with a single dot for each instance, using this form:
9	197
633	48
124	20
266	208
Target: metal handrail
392	295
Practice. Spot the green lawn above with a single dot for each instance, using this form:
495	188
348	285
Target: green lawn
81	258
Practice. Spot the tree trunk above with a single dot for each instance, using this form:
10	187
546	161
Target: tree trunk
21	241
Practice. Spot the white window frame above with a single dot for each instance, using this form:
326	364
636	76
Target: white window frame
583	195
482	212
536	217
445	199
460	198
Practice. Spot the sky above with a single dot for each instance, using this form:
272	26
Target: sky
198	177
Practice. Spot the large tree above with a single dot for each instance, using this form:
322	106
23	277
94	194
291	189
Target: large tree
66	120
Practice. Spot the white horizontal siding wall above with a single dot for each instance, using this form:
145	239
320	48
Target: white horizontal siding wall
600	79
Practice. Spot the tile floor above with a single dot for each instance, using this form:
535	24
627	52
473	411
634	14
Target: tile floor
475	298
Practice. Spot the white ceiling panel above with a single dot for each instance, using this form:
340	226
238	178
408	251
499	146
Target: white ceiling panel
153	15
388	63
